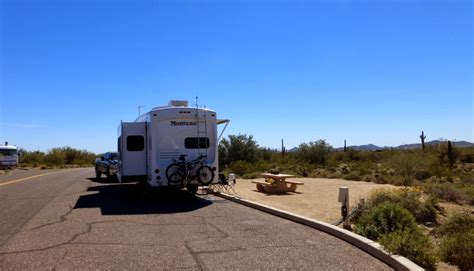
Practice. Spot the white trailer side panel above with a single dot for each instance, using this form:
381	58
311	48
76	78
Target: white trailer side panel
133	149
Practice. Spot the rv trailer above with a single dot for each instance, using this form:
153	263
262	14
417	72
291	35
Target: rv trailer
8	156
174	145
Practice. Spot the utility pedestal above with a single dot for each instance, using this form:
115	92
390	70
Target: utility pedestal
344	200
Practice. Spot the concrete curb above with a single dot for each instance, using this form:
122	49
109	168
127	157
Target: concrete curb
367	245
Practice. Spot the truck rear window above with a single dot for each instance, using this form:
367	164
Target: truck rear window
196	143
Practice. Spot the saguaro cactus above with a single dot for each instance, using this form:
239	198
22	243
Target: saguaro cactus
345	146
423	137
283	149
451	156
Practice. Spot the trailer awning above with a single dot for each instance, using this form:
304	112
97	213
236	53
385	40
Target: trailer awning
222	121
222	132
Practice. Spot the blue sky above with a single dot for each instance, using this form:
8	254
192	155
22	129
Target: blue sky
366	71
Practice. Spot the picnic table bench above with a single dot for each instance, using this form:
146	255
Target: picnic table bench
279	184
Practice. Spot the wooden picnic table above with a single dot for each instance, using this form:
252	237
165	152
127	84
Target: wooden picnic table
279	185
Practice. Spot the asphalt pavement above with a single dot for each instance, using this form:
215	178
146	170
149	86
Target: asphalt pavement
69	220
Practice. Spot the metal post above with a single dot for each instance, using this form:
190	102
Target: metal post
344	200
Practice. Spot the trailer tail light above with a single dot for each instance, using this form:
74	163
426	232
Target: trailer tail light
214	169
157	171
158	178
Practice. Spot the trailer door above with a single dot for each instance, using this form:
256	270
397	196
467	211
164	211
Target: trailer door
132	150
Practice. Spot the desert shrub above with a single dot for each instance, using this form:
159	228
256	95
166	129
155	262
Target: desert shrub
423	211
458	249
380	178
395	228
468	191
457	245
446	191
30	157
438	169
411	243
237	148
343	168
353	176
369	178
462	222
384	218
241	167
407	164
422	175
447	153
314	152
55	157
252	175
467	155
353	155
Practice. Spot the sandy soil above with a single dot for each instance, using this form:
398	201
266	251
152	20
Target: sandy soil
317	198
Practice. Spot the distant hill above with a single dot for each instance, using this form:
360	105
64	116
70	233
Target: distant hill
372	147
460	144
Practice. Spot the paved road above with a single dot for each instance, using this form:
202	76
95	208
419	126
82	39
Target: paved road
68	220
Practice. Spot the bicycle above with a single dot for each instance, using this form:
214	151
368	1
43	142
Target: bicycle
182	172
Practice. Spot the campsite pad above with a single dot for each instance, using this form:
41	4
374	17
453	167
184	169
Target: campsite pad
317	198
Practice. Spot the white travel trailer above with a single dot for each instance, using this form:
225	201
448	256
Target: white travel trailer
174	145
8	156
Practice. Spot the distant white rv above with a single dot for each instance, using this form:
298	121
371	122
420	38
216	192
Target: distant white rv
8	156
174	145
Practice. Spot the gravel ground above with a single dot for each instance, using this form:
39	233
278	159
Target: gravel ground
317	198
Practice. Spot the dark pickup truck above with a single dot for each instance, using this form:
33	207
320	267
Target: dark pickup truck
106	164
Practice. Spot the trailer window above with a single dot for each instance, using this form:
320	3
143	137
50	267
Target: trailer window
196	143
135	143
7	152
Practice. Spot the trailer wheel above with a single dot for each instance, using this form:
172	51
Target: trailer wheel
205	175
175	173
97	173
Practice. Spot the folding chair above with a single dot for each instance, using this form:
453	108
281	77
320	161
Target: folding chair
228	183
224	184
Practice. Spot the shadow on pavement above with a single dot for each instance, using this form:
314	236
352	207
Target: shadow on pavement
112	179
128	199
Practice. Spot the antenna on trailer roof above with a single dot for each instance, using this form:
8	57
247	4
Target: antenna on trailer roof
196	102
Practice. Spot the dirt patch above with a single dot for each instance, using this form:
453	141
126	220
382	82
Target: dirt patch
317	198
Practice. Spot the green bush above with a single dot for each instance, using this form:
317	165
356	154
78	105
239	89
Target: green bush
423	211
253	175
30	158
458	249
241	167
314	152
395	228
238	148
457	223
411	243
457	245
384	218
446	191
57	157
353	176
407	165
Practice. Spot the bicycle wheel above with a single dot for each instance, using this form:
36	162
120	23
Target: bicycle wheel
205	175
175	173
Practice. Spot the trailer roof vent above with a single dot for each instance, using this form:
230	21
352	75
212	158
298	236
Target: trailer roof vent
178	103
